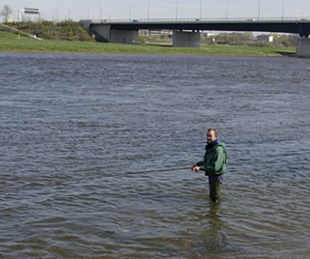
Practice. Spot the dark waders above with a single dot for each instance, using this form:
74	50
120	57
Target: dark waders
215	186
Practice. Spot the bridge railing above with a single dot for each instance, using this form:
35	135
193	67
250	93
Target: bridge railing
161	20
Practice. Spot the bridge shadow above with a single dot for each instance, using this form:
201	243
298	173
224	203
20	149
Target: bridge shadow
159	45
286	53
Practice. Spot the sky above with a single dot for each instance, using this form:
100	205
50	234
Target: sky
58	10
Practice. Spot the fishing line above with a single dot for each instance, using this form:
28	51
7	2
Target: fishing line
36	185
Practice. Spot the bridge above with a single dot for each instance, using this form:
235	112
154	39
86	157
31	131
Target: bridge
186	33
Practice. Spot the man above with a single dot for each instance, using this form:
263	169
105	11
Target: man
214	164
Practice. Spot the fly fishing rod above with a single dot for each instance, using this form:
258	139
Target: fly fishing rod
130	173
153	171
57	183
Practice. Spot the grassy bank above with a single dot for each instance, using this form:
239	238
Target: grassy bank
10	43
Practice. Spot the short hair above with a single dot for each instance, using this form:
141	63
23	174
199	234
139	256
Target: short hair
214	130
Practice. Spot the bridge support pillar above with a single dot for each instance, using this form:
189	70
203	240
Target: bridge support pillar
186	39
124	36
104	33
303	47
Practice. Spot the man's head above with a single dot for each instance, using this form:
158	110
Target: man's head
211	135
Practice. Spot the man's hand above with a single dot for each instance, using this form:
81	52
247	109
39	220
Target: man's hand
195	168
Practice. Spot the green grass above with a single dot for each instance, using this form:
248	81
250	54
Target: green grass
6	35
10	43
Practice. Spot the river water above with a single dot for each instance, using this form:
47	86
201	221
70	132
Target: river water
88	144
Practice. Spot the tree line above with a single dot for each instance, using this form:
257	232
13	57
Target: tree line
248	39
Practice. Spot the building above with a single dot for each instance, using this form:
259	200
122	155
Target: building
264	38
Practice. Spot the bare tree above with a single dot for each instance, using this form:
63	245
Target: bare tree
6	12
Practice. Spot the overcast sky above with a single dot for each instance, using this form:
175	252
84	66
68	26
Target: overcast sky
165	9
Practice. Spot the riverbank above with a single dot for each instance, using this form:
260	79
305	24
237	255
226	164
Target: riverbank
10	43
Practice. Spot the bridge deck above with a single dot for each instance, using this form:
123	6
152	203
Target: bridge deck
301	27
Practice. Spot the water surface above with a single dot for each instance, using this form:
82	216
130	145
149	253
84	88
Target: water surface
83	138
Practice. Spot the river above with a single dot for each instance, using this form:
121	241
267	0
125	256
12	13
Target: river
93	150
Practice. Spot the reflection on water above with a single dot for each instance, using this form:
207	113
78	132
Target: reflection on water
76	129
215	236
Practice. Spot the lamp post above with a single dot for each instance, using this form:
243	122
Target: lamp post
226	10
129	12
258	10
148	10
100	10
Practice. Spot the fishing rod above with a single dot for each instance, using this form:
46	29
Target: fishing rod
34	185
129	173
155	171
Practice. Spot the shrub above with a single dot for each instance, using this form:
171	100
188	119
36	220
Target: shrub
141	39
65	30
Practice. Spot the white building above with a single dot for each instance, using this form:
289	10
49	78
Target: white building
264	38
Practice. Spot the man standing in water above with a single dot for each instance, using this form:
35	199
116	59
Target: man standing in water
214	164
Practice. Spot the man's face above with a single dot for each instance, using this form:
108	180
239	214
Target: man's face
211	136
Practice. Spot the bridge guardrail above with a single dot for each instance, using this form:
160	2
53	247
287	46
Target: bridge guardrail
199	20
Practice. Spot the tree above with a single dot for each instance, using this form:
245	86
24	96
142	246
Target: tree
6	12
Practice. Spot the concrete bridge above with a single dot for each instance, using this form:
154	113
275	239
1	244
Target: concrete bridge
186	33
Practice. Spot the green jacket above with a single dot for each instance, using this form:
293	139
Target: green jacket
214	162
